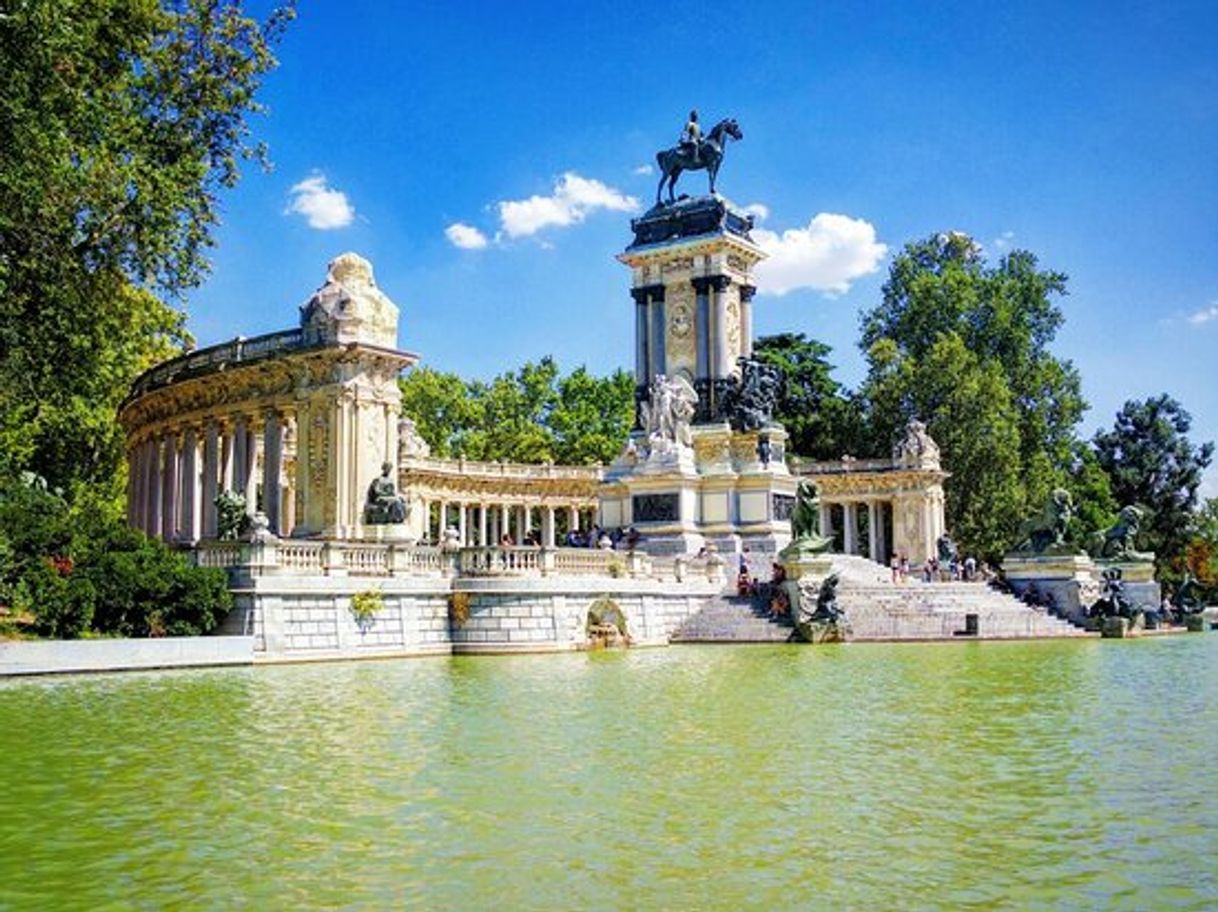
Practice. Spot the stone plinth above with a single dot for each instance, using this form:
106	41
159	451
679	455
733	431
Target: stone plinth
1137	580
1070	579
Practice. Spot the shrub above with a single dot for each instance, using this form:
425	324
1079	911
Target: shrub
85	569
62	606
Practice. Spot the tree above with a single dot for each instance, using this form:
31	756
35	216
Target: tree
956	340
824	421
532	414
592	417
1152	463
121	121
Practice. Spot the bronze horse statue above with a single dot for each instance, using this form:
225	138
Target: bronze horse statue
710	156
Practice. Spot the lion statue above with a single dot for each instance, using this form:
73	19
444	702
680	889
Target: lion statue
806	535
1047	530
1119	542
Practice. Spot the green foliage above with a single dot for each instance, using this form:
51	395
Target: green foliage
964	346
1152	463
1095	507
120	122
824	421
62	605
78	570
365	606
533	414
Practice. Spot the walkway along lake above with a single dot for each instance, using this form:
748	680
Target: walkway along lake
1055	774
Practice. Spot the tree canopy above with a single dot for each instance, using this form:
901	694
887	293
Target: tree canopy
531	414
823	419
1151	462
121	121
964	346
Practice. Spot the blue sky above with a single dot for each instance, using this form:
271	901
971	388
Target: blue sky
1084	132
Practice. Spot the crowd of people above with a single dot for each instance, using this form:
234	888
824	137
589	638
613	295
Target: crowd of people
933	570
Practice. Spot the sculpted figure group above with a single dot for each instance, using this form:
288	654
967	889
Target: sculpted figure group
667	413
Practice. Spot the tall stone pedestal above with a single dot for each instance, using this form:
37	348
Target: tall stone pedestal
691	266
1070	580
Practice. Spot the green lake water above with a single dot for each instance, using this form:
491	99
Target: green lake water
1008	775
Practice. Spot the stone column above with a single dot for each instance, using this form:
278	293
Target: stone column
655	345
482	539
928	528
642	355
152	521
547	527
881	515
189	486
238	469
746	318
272	468
526	527
250	488
461	526
702	321
724	358
873	529
443	521
169	489
211	479
850	527
227	457
826	518
572	519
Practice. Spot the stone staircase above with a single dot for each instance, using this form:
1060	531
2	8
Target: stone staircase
731	619
878	609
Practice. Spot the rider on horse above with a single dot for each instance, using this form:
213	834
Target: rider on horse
691	137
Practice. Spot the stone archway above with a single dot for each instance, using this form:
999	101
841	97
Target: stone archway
606	625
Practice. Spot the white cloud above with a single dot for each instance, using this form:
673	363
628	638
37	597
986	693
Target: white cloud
1205	315
643	169
1003	241
827	256
759	211
573	198
467	237
323	207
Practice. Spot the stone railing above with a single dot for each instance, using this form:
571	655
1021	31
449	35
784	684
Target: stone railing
842	466
207	360
470	468
330	558
321	558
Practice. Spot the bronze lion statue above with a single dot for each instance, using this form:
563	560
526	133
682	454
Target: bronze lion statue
1119	541
1047	530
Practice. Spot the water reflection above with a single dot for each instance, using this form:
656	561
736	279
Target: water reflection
1056	774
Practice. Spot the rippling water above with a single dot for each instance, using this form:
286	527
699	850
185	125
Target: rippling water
1033	775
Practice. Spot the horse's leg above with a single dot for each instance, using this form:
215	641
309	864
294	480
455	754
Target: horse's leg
660	186
712	172
672	184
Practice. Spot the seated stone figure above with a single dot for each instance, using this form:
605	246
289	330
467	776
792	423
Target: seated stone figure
384	506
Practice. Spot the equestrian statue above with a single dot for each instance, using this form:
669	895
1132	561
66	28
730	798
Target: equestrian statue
694	152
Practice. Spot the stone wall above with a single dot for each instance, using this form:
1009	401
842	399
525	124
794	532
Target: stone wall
69	656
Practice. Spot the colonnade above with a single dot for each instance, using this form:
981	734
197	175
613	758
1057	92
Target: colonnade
715	350
878	539
486	523
176	472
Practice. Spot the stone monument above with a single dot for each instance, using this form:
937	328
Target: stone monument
724	480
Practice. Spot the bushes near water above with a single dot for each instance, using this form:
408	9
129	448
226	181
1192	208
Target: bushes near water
67	572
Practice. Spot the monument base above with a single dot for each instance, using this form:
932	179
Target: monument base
1068	581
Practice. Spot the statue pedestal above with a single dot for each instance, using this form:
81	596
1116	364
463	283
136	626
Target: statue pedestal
390	532
1118	628
1137	581
1070	580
